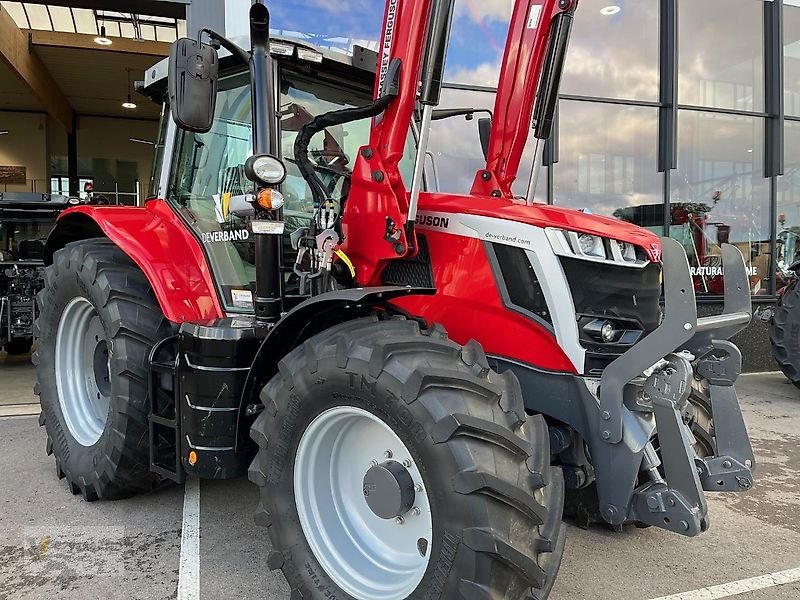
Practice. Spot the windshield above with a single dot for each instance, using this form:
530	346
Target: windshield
23	240
207	173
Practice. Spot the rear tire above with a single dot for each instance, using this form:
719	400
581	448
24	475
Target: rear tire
785	333
495	501
98	317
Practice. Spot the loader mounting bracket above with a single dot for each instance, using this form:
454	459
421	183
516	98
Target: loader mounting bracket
731	470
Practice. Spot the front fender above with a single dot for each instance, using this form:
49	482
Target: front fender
308	319
160	243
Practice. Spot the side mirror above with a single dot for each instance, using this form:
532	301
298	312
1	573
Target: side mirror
485	131
193	78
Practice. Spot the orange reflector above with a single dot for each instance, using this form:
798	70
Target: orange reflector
269	199
193	458
264	199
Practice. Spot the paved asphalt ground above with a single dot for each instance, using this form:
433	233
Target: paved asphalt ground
54	545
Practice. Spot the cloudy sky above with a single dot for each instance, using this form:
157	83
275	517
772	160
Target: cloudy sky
480	26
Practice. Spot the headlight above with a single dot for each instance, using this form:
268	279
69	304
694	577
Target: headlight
265	169
591	245
588	246
601	330
627	251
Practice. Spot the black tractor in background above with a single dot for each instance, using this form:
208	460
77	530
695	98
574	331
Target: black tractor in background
785	318
25	221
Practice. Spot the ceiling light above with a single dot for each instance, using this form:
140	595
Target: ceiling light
102	39
130	105
3	131
607	11
142	141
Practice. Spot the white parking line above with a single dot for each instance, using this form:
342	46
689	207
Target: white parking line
20	410
761	373
735	588
189	574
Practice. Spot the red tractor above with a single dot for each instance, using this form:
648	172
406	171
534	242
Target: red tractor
412	378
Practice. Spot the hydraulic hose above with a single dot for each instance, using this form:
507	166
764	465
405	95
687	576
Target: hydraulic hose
320	123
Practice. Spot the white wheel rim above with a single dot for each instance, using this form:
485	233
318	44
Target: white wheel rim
82	369
368	557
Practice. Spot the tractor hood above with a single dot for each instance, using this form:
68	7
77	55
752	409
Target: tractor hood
545	216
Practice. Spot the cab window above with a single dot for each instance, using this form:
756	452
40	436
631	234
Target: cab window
207	173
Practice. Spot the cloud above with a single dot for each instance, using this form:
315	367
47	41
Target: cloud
486	74
485	10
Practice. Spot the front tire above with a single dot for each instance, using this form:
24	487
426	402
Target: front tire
480	468
98	319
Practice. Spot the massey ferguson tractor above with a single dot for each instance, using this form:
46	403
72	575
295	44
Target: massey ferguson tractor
415	380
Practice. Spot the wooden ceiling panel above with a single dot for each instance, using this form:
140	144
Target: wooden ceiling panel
96	81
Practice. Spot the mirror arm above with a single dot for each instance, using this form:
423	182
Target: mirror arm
440	114
240	53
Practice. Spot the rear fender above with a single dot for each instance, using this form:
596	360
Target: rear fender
305	321
162	246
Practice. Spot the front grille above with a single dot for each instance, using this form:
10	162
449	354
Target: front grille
628	297
608	291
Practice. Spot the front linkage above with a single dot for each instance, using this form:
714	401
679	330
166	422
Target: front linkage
659	479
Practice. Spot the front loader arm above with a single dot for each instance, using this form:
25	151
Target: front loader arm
524	61
377	207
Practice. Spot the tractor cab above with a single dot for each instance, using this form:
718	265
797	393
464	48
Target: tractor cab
204	180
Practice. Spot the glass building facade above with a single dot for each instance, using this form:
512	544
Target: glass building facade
682	116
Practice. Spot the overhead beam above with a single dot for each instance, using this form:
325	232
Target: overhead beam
58	39
175	9
30	70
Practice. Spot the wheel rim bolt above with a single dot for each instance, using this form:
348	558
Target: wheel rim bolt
388	454
373	463
416	511
407	463
399	520
418	488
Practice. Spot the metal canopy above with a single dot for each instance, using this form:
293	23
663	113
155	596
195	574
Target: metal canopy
175	9
53	16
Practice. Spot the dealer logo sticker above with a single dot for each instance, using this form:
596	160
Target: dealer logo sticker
235	235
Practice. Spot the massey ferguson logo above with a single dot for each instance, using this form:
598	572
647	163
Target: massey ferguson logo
655	252
432	221
386	51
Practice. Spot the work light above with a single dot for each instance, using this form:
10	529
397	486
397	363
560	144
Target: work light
265	169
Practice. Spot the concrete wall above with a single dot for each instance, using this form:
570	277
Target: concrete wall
25	145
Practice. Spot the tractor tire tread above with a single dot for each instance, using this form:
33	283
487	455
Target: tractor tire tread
785	333
504	456
122	470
